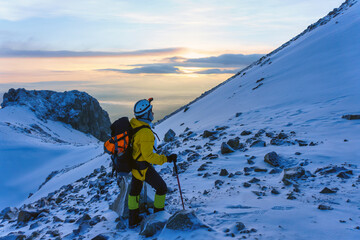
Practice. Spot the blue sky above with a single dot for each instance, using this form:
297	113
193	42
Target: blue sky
122	50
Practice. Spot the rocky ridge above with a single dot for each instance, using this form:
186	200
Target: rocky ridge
78	109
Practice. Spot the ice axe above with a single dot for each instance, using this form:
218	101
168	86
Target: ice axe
177	176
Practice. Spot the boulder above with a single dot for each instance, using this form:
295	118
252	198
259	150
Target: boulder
327	190
26	216
100	237
169	136
225	148
234	143
185	220
224	172
154	223
273	159
258	143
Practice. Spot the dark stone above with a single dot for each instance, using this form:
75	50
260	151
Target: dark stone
185	220
298	153
224	172
256	169
207	134
258	143
301	143
152	224
291	196
273	159
246	184
351	117
100	237
259	133
245	133
282	136
9	213
327	190
324	207
275	191
231	175
210	156
202	167
259	194
218	183
343	175
330	169
225	149
254	180
239	226
84	218
234	143
270	134
25	216
56	219
193	157
238	114
169	136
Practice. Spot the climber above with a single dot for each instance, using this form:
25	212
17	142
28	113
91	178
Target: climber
144	144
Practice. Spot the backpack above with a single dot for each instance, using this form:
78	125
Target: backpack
119	146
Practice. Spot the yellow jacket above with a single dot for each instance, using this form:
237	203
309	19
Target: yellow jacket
143	142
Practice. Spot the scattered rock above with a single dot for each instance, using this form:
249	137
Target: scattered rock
231	175
169	136
210	156
57	219
351	117
298	153
245	133
218	183
25	216
225	148
292	174
275	191
153	223
256	169
258	143
259	194
100	237
291	196
9	213
239	226
273	159
324	207
246	184
193	157
185	220
207	134
275	171
327	190
224	172
254	180
84	218
238	114
202	167
343	175
234	143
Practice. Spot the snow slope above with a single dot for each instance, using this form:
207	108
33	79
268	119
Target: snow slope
31	149
291	102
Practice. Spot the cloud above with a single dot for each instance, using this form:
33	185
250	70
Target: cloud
7	52
155	69
218	71
224	60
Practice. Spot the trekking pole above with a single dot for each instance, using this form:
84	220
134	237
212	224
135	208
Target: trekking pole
177	176
145	200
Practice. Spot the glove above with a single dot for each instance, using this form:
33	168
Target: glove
172	158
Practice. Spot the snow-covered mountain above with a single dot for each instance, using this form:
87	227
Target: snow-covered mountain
271	153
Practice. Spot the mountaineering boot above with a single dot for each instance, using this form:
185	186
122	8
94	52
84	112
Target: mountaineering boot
134	218
158	209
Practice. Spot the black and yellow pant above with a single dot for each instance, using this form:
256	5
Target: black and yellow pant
155	181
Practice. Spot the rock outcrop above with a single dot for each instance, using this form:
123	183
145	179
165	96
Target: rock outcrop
78	109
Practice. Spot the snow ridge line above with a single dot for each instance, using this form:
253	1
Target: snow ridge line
322	21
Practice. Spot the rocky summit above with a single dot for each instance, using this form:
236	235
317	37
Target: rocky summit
79	109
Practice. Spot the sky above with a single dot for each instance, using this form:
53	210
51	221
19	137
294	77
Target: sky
123	51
